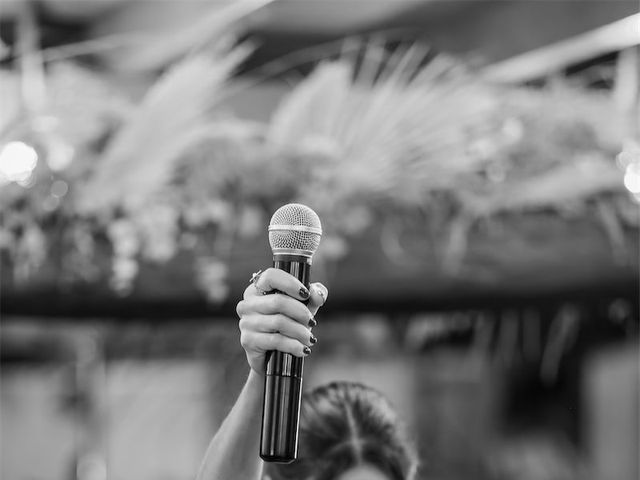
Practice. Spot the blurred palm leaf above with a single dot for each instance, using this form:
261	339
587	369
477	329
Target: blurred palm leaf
174	116
397	126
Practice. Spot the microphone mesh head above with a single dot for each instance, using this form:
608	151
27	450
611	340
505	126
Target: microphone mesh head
295	229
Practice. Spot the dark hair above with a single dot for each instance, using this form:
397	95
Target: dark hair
345	424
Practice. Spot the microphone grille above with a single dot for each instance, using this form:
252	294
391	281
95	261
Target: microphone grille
295	229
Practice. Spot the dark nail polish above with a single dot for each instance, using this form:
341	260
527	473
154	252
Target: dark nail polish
312	322
306	350
313	339
304	293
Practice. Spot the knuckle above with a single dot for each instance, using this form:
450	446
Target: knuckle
241	307
275	302
245	293
269	273
242	324
273	341
275	323
245	340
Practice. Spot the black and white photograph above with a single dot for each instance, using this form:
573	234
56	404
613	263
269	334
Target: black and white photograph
319	239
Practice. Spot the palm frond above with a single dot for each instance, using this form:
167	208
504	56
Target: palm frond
141	158
399	128
313	107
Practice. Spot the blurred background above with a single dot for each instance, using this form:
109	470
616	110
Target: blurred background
475	164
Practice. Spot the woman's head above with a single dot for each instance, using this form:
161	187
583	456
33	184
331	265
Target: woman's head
345	425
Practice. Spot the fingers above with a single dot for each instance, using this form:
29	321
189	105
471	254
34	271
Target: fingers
277	303
279	324
263	342
280	321
275	279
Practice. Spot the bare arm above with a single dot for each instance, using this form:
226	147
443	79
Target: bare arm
267	322
233	451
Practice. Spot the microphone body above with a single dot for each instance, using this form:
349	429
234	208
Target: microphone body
294	235
283	384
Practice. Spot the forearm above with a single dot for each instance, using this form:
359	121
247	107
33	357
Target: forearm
233	451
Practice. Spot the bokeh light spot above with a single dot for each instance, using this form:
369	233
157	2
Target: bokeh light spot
17	162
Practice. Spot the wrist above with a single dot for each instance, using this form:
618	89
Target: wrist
255	377
258	368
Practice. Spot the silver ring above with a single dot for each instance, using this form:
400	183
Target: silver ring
254	280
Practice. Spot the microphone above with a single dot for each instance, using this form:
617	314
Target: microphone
294	236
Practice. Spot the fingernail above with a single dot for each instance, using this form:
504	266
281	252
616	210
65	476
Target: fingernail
306	350
304	293
313	339
312	322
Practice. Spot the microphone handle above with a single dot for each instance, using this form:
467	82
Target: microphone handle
283	385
